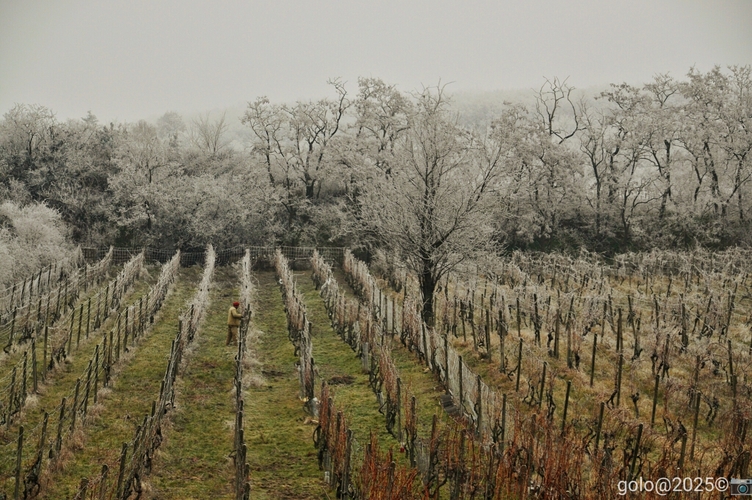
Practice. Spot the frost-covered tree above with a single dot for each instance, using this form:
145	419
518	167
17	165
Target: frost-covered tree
433	208
31	236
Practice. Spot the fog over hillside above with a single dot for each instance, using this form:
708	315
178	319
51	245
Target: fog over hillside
474	108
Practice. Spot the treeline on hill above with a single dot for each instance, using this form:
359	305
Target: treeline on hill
665	164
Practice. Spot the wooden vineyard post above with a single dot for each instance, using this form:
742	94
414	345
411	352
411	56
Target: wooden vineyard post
47	310
683	450
502	360
74	408
365	362
103	483
536	320
519	322
109	362
655	400
27	321
488	336
44	355
566	406
83	488
24	377
393	328
140	328
599	428
12	397
556	335
543	384
619	339
88	317
478	405
502	329
19	455
59	438
502	432
97	318
114	292
454	319
121	474
96	371
693	390
125	334
346	473
471	310
519	368
403	338
462	398
310	394
80	323
568	332
42	439
432	452
463	313
684	336
57	304
446	362
399	409
694	425
86	391
731	362
635	452
618	379
592	361
425	345
34	364
106	301
117	351
12	327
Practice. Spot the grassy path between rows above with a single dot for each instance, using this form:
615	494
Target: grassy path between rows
9	359
61	382
194	461
334	358
122	406
414	374
280	446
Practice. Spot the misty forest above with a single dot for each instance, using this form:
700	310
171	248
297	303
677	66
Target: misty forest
660	165
545	297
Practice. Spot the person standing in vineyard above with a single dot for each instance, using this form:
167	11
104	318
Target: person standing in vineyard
233	322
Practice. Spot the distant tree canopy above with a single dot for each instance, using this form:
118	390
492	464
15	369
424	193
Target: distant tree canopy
662	164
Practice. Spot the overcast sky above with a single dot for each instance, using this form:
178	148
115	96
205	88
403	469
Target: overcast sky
132	59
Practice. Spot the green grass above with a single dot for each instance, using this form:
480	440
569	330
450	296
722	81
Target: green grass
61	382
334	357
193	462
414	375
280	446
129	398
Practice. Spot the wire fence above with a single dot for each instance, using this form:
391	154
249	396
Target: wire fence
223	257
44	442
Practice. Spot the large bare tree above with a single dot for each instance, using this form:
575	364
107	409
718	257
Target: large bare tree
432	209
209	136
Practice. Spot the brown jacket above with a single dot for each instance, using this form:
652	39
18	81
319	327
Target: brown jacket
233	317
